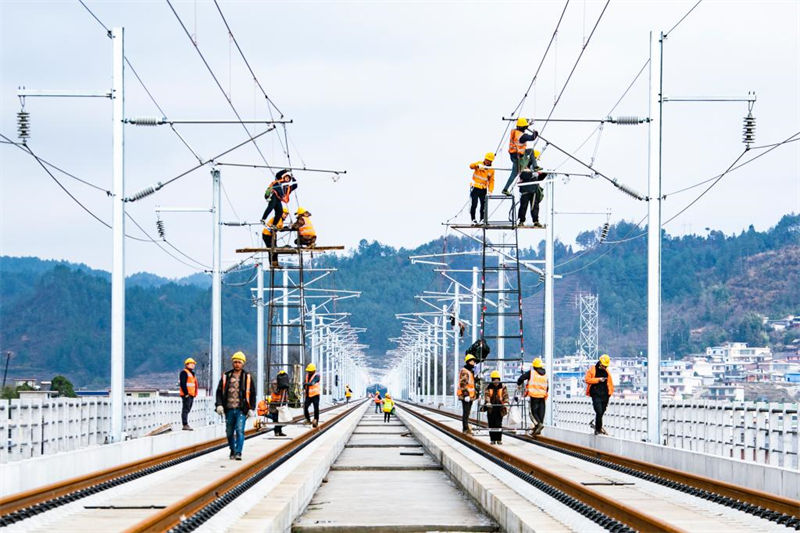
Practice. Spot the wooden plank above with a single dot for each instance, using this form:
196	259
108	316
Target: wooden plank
285	250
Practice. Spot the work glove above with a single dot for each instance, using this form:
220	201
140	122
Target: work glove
220	410
251	413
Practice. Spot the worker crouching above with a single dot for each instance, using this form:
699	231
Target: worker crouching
537	389
306	235
270	235
236	395
600	386
466	391
495	403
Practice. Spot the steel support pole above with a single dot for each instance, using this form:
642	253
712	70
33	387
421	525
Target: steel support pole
474	303
260	328
654	244
444	354
501	320
434	359
549	278
216	281
118	239
457	313
284	328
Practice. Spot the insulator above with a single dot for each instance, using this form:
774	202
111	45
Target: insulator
627	190
142	194
147	121
160	228
749	130
604	232
625	120
23	125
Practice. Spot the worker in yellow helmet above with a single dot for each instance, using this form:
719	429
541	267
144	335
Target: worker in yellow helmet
517	148
495	403
537	388
236	399
482	181
306	235
313	390
600	386
388	408
530	191
466	391
270	235
348	393
187	383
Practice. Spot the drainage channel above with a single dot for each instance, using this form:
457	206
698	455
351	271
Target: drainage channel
384	480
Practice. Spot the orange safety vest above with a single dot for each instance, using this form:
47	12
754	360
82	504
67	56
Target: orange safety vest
191	385
482	178
262	408
315	389
278	225
377	398
470	384
590	380
514	146
246	389
537	385
307	229
279	184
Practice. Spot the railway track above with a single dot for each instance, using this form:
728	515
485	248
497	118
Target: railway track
25	505
615	514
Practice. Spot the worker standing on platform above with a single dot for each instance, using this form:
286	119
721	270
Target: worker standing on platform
530	191
187	382
236	397
517	146
278	193
347	393
313	389
600	387
388	406
377	400
495	402
466	391
537	388
306	236
270	235
482	181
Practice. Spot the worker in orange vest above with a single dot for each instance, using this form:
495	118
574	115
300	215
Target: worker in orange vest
482	181
495	403
313	389
236	398
377	400
517	146
306	236
537	389
278	193
270	235
268	407
187	383
600	386
466	391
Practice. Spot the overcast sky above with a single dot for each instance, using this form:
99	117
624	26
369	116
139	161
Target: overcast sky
403	96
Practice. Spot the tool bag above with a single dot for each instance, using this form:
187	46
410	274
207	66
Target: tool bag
284	416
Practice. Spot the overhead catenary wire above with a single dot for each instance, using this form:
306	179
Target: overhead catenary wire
682	18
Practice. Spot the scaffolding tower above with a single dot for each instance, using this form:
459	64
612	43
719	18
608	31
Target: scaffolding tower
587	339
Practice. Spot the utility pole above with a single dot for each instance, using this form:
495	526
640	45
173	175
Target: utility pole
549	278
5	372
285	327
654	243
475	290
118	238
260	328
216	282
444	354
501	319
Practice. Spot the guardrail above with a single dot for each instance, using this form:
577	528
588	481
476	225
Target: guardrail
34	427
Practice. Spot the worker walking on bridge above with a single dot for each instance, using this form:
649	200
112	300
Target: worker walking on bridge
347	393
187	382
482	181
306	235
388	407
466	391
270	235
313	389
600	386
236	398
278	193
517	147
536	388
495	402
377	400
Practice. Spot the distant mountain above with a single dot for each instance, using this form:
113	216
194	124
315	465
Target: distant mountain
54	315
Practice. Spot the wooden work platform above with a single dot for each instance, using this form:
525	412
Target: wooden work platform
286	250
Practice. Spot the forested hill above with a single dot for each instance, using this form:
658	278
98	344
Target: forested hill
54	316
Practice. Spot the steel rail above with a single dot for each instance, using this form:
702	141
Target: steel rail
22	505
606	505
173	515
760	500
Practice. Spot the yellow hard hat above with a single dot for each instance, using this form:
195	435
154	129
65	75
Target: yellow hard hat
494	375
281	372
301	211
311	367
388	395
286	209
489	156
469	357
536	154
522	122
605	360
537	363
239	356
189	360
